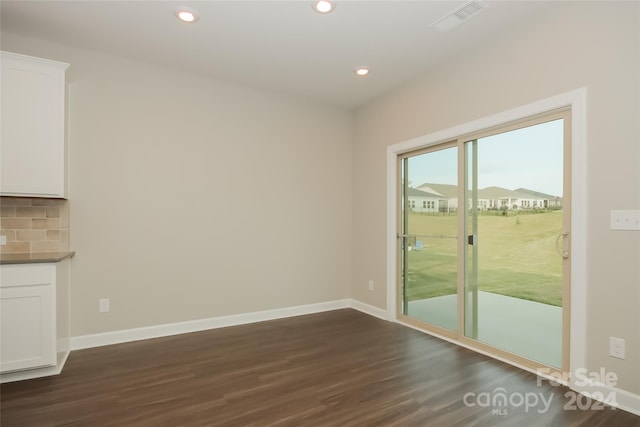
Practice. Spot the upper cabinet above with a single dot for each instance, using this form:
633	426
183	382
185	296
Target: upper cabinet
32	150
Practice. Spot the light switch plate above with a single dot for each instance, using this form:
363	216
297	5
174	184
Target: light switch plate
3	240
625	220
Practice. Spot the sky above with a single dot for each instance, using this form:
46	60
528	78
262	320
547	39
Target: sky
530	157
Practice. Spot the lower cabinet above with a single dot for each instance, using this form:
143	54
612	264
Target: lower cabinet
34	312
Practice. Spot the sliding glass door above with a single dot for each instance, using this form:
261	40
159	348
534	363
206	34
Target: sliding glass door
484	239
429	237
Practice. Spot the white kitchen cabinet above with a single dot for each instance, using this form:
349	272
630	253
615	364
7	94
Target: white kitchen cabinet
34	311
33	150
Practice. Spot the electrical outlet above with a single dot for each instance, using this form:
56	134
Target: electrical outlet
104	305
371	285
3	240
616	347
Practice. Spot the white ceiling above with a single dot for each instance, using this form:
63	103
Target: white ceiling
279	46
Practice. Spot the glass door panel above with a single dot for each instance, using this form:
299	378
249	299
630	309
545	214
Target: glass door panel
513	292
429	237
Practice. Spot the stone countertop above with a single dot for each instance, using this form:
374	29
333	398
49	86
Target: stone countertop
35	258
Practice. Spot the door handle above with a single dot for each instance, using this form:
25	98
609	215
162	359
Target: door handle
562	252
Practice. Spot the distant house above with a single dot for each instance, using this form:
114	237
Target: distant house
544	200
447	193
491	198
522	198
423	201
501	198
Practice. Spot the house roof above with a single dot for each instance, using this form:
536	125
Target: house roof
494	192
446	190
537	194
413	192
498	193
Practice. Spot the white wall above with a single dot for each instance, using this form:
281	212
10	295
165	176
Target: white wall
583	44
193	198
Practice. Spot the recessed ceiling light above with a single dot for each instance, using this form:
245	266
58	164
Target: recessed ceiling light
323	6
361	71
186	14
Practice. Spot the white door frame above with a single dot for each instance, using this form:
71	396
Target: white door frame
577	101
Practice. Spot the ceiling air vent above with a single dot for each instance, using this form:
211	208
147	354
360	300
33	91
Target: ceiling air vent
458	16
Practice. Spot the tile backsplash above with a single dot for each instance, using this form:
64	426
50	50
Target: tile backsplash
33	225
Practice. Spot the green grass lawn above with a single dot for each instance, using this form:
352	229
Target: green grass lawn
516	257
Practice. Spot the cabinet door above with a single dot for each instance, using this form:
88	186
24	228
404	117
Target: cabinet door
27	317
27	327
32	153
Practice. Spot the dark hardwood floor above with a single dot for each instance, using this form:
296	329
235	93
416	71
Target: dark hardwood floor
340	368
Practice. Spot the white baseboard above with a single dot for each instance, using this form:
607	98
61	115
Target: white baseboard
157	331
369	309
619	398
